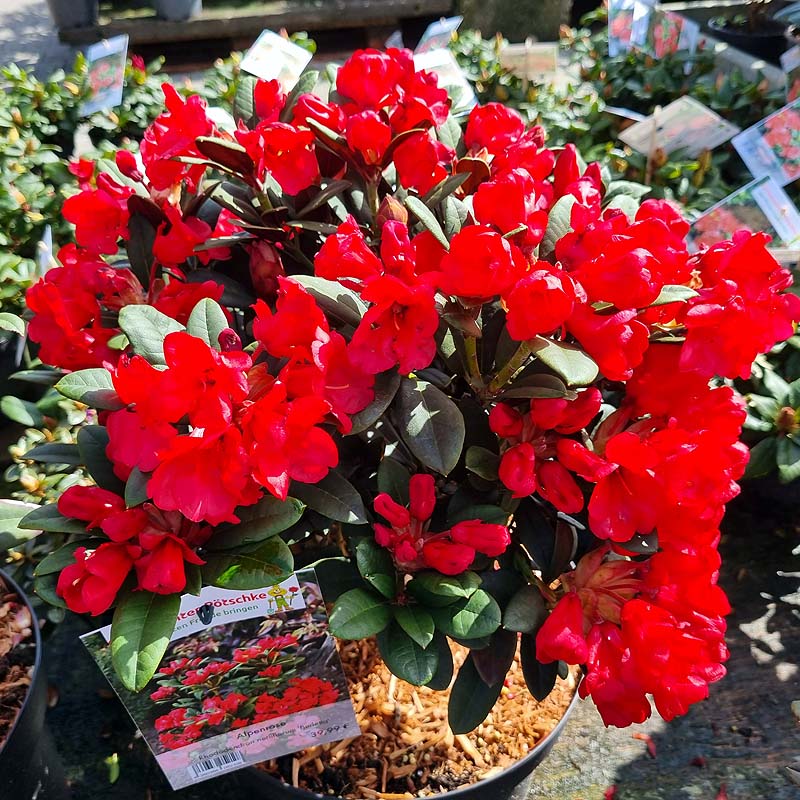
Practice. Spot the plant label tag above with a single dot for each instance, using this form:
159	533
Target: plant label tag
685	124
790	61
438	34
620	26
761	205
532	61
668	32
642	12
772	147
106	65
272	57
444	64
247	676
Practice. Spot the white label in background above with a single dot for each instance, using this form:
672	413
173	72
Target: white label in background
106	74
395	40
438	34
444	64
772	147
761	205
274	58
534	61
248	676
684	124
668	33
642	9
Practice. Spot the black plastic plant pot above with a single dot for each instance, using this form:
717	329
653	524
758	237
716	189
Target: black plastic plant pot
30	768
512	783
766	43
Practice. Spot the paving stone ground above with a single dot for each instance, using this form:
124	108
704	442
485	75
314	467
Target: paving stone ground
28	38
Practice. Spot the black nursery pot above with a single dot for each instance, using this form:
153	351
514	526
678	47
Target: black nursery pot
30	768
511	784
767	43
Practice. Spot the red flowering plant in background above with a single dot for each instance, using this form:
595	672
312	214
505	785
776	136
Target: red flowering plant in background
466	362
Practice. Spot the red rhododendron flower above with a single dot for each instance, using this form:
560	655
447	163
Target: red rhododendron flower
369	79
420	162
269	100
494	127
100	218
480	264
562	636
542	301
178	299
345	255
517	469
369	136
90	504
161	569
175	244
309	106
172	135
91	583
288	153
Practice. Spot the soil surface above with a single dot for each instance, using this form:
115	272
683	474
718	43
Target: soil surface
744	739
17	656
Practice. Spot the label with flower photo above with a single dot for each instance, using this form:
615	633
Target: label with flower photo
772	147
668	32
106	74
761	205
790	61
685	124
248	676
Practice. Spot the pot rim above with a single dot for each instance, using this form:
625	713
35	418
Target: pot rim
780	29
461	791
37	661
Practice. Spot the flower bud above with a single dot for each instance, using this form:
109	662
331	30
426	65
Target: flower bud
391	209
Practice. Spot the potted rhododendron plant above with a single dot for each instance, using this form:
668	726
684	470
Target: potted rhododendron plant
476	385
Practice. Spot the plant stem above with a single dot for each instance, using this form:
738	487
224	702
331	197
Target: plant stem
510	369
473	367
372	197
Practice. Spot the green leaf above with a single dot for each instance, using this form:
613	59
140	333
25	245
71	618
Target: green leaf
405	657
565	545
136	488
207	321
776	386
559	224
92	443
336	576
626	204
45	587
333	189
427	219
767	407
140	631
494	662
21	411
11	535
450	133
483	462
146	328
55	453
540	678
393	479
526	611
430	424
359	613
444	189
228	153
416	622
627	188
11	322
469	618
444	670
493	515
385	388
92	387
243	103
455	215
40	377
471	699
334	497
334	299
64	556
376	567
787	457
566	360
673	293
271	563
763	457
306	83
48	518
433	589
539	385
142	236
266	518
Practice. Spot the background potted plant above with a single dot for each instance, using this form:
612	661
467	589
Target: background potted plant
178	10
753	30
462	374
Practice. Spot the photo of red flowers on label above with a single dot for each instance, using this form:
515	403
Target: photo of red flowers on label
247	676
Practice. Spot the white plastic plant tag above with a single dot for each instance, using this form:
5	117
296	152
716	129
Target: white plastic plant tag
438	34
106	64
272	57
248	676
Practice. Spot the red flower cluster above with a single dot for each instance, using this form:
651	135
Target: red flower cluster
156	544
414	547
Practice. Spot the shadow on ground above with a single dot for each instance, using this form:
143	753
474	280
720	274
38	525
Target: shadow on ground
743	738
28	37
